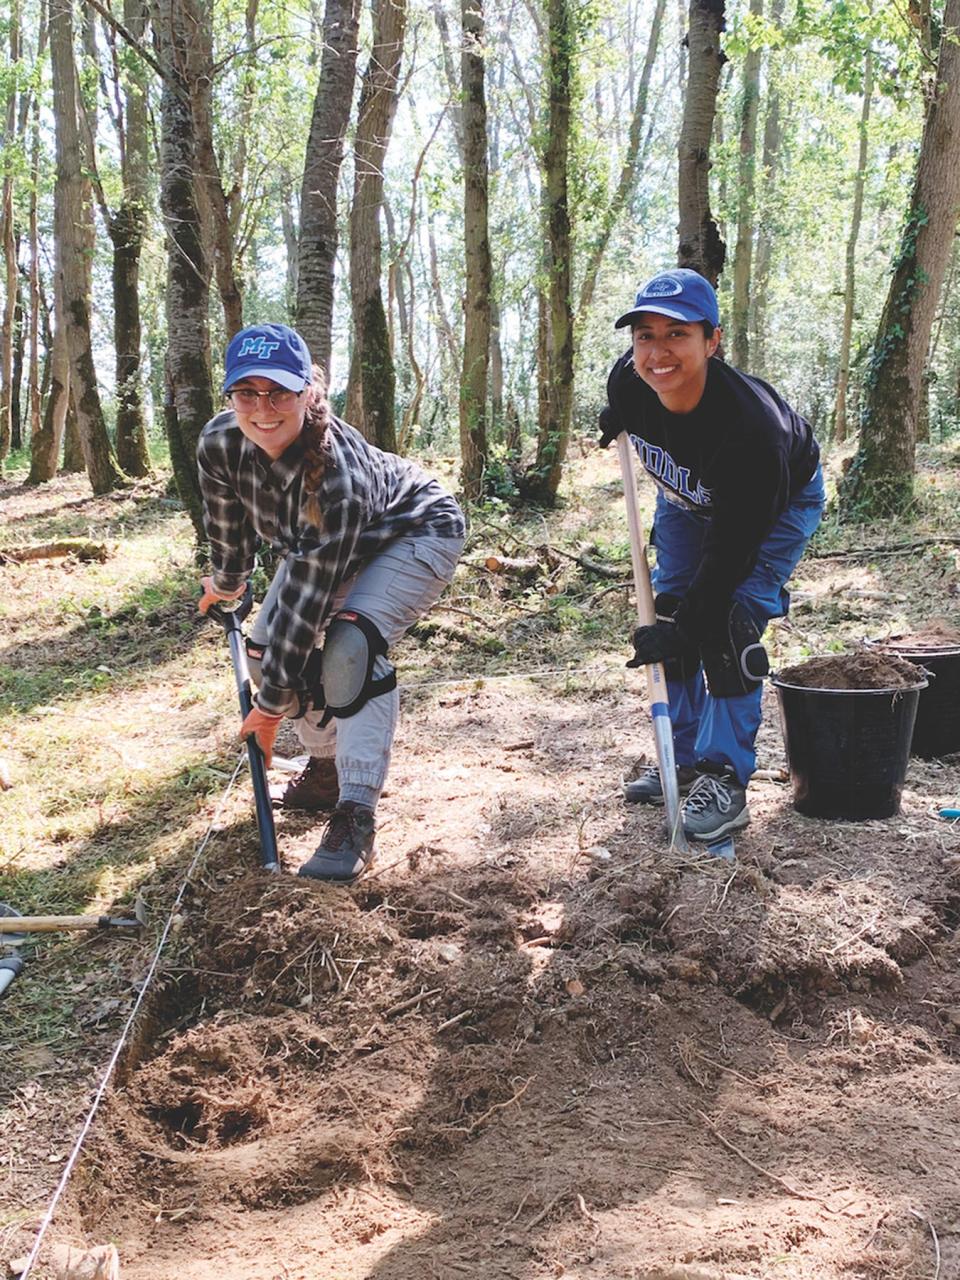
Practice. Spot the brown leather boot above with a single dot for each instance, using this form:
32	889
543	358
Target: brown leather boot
316	788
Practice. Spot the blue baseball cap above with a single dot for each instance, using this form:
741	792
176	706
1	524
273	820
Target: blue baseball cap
681	294
272	351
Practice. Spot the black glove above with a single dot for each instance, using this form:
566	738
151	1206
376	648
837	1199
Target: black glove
609	427
657	643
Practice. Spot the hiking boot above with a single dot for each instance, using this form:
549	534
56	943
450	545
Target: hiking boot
346	849
716	805
646	788
315	789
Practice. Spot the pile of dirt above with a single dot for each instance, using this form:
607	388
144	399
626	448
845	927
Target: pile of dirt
865	669
933	636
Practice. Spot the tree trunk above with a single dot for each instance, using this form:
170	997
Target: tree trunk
476	242
321	173
33	323
188	391
211	198
73	232
700	245
743	254
767	226
8	236
16	380
554	428
371	389
850	275
127	229
47	440
880	480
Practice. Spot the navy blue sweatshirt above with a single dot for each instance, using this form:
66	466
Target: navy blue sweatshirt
735	461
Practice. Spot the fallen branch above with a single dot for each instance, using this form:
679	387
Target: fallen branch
413	1001
428	627
936	1243
888	549
81	548
758	1168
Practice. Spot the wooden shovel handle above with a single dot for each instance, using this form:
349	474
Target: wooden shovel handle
52	924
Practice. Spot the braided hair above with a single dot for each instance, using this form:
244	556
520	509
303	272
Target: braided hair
315	457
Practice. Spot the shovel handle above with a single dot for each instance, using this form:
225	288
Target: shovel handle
230	618
53	924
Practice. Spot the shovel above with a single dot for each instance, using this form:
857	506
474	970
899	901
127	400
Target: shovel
231	620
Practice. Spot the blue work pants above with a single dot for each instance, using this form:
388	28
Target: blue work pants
724	730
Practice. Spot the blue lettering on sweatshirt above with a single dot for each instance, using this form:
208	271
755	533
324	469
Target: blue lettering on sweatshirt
658	463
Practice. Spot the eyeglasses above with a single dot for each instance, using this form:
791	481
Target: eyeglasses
246	399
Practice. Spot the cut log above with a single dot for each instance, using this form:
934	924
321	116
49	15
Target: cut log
81	548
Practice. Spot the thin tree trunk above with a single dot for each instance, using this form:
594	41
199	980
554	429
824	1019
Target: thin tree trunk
880	479
554	427
8	235
73	228
765	233
188	394
700	245
321	174
479	269
372	385
16	381
850	274
33	323
746	181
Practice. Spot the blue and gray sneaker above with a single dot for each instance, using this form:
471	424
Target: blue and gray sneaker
645	788
715	806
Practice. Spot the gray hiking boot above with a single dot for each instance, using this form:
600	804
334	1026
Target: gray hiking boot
716	805
646	788
315	789
346	849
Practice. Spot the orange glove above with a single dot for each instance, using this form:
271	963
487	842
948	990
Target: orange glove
212	596
263	727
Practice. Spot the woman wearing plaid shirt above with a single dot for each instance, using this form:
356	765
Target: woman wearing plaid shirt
369	541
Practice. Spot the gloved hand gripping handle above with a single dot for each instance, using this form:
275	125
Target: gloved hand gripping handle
231	620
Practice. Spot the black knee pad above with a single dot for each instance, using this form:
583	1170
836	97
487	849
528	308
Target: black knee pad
736	662
685	665
350	650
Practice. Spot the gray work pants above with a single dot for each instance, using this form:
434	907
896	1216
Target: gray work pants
393	589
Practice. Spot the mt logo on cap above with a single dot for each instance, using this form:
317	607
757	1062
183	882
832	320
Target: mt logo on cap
272	351
680	294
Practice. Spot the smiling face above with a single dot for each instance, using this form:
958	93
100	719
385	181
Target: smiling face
270	429
671	357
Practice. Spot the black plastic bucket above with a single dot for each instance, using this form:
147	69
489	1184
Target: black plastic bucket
937	730
847	749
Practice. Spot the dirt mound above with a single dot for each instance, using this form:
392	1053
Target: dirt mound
935	634
865	669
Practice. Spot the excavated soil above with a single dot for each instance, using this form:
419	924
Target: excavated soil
865	669
536	1043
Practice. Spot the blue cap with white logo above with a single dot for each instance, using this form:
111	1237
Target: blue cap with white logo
272	351
680	294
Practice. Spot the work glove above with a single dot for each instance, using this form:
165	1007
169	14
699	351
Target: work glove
263	727
210	595
609	427
658	643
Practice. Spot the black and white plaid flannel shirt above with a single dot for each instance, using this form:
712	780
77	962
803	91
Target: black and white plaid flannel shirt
367	499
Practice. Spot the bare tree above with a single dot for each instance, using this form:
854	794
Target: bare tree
701	247
8	236
880	479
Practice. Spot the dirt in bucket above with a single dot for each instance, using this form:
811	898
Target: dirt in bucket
935	634
865	669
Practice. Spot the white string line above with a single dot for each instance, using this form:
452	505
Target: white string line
98	1097
535	674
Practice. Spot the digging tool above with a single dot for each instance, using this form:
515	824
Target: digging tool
11	966
13	924
231	620
658	697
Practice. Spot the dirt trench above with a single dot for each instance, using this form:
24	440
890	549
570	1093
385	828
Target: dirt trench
536	1043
